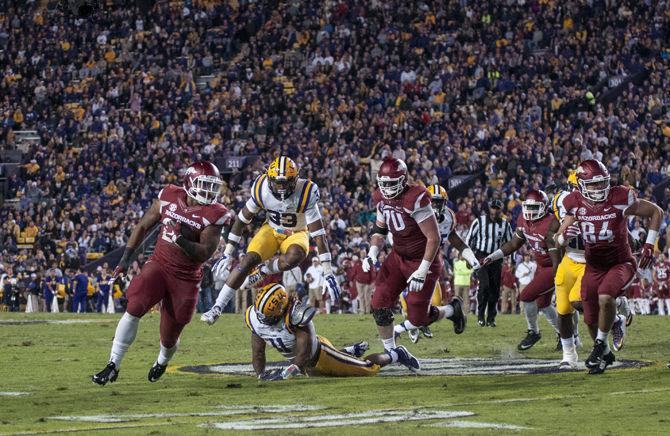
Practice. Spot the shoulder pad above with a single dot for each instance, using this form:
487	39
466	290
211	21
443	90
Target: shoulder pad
301	314
376	197
415	198
308	195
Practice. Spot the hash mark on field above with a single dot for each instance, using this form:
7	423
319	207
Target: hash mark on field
13	394
78	430
477	424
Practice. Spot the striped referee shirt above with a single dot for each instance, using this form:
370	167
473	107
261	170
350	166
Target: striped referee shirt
486	236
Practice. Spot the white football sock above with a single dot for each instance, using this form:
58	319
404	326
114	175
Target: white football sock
602	335
165	354
329	306
404	327
389	343
530	310
568	345
575	320
393	354
126	330
225	295
552	316
445	311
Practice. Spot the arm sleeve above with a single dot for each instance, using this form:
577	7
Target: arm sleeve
312	212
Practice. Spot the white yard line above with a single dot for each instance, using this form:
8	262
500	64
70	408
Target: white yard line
477	424
13	394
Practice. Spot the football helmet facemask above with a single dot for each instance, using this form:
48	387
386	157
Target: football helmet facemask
535	205
202	182
392	177
593	180
271	303
439	197
283	176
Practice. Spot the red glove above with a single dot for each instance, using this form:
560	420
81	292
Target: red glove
647	256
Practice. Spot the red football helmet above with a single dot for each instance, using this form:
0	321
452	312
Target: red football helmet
202	182
535	205
392	177
593	180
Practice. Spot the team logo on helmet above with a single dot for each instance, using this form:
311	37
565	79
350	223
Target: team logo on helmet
271	303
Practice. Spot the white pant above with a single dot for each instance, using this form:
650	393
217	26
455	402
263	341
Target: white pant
642	306
664	306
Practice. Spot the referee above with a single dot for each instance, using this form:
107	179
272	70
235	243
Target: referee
487	234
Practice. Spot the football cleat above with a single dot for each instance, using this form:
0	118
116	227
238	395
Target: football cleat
570	361
596	356
459	317
491	324
156	371
211	315
618	332
426	332
360	348
406	358
606	361
629	318
109	374
481	323
413	335
256	276
530	340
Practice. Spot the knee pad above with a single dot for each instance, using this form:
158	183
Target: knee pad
383	316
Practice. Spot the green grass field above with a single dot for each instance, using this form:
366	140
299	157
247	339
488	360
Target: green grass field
52	364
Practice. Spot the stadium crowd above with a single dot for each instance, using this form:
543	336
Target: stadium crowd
515	95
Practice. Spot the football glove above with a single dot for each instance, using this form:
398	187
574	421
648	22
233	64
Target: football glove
280	373
647	256
371	259
416	281
330	285
221	268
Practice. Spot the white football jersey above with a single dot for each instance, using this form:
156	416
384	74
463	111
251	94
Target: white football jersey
446	224
575	248
280	336
294	213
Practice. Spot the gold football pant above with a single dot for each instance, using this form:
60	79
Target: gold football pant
334	363
266	242
568	283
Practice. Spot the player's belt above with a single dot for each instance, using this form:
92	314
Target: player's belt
285	232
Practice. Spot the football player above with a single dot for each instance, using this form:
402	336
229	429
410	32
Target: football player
413	262
602	212
291	206
536	227
662	285
446	224
286	324
568	281
192	219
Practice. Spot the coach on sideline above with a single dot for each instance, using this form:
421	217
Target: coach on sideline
487	234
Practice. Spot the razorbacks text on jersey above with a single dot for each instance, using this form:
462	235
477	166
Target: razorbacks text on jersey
295	213
575	248
603	226
534	233
280	336
175	212
402	216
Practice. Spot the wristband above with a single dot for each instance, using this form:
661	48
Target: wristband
234	238
652	236
230	249
242	218
469	255
496	255
424	267
325	257
316	233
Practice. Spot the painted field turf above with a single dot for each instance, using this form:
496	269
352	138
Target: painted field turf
45	385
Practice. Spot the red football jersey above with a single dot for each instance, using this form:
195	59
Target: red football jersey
176	213
400	214
663	271
534	233
603	226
